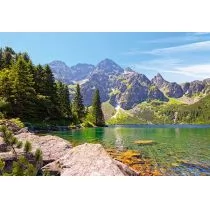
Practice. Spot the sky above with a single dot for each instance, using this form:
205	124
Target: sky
179	57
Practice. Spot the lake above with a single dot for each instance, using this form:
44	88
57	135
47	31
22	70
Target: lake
178	149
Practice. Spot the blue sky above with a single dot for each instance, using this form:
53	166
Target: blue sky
177	56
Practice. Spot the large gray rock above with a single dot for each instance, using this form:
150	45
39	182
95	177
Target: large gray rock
23	130
52	147
88	160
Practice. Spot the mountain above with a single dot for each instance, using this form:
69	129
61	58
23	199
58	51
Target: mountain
108	66
61	71
172	112
173	89
125	87
191	88
81	71
68	74
133	88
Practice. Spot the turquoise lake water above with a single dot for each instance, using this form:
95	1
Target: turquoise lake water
178	149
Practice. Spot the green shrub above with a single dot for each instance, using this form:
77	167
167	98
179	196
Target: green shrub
21	166
87	124
18	122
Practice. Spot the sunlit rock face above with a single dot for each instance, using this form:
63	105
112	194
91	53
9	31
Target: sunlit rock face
191	88
173	89
89	160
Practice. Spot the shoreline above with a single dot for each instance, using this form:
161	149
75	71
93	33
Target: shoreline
60	158
67	128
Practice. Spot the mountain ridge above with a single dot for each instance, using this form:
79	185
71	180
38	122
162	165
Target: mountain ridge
124	87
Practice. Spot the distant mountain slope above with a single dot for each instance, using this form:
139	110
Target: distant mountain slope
61	71
81	71
156	112
125	87
71	74
170	89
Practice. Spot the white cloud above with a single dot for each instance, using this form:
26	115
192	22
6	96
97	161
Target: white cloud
174	39
201	71
174	67
157	65
201	33
197	46
192	47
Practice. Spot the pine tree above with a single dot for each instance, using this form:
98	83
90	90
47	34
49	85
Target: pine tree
78	106
1	58
6	84
8	57
22	89
39	79
30	92
67	102
49	81
26	57
97	110
63	100
45	86
21	166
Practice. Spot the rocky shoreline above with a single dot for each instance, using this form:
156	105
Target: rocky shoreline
60	158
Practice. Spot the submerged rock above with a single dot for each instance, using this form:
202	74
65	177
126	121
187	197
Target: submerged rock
135	161
88	160
144	142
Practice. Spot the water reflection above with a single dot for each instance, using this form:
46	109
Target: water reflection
173	145
119	142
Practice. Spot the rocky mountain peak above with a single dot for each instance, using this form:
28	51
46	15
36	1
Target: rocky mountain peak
109	66
159	76
159	81
124	87
83	66
128	70
59	65
61	71
82	71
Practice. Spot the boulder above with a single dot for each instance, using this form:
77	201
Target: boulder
52	147
59	158
23	130
88	160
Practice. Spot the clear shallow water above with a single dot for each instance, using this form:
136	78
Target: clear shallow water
178	149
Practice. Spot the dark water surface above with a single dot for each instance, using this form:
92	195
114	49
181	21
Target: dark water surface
178	149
